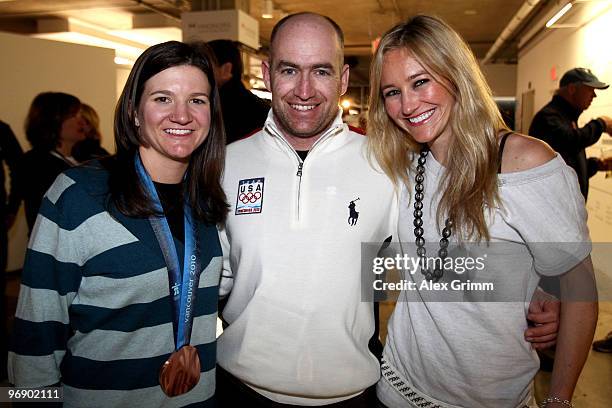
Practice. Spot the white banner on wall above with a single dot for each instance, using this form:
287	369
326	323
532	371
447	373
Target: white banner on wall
221	24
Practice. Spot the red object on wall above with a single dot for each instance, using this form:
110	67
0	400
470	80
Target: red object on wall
553	73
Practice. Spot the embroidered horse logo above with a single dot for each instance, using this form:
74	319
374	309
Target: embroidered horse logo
353	215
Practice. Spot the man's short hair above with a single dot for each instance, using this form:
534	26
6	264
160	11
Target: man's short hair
337	29
228	51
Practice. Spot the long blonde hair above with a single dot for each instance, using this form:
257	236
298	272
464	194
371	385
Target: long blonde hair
469	183
93	120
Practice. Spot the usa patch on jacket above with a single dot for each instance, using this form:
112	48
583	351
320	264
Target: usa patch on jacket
250	196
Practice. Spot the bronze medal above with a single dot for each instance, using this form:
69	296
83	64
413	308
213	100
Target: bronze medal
181	372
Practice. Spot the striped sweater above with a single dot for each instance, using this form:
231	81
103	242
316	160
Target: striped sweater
95	311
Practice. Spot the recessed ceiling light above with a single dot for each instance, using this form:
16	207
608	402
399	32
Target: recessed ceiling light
470	12
268	9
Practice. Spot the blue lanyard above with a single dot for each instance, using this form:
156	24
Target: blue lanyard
183	286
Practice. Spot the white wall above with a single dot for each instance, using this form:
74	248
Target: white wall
122	75
30	66
563	49
501	78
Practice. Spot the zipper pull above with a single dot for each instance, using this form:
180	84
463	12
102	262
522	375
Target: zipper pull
299	171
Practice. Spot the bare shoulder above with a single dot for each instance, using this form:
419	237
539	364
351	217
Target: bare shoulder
524	152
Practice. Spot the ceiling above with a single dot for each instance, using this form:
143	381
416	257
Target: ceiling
480	22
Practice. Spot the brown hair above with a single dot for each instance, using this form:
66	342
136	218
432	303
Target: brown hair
203	176
47	113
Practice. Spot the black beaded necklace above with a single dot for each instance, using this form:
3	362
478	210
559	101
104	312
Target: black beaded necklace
437	271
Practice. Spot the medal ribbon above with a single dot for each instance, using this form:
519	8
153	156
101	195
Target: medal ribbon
183	286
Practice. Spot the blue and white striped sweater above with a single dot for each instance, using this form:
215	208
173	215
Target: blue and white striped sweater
94	308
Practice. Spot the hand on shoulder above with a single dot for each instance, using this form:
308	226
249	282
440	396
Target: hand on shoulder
605	164
608	122
524	152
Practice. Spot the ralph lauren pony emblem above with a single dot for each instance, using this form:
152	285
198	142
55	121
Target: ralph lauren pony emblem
353	214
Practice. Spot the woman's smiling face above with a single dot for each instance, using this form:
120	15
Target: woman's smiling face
174	115
414	100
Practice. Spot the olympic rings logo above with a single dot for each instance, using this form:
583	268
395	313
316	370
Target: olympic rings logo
249	197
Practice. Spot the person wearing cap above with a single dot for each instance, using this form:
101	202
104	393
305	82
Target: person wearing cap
556	124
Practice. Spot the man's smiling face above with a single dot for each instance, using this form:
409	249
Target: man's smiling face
306	77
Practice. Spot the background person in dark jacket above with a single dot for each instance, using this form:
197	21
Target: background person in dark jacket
53	126
10	152
556	124
243	112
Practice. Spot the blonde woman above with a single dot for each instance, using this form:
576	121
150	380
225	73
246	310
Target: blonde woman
466	180
89	148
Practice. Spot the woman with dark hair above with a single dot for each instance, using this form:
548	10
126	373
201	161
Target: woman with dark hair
119	294
52	127
472	187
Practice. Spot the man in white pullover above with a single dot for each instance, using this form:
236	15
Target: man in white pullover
303	198
298	329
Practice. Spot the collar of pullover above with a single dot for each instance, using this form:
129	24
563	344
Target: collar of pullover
271	128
